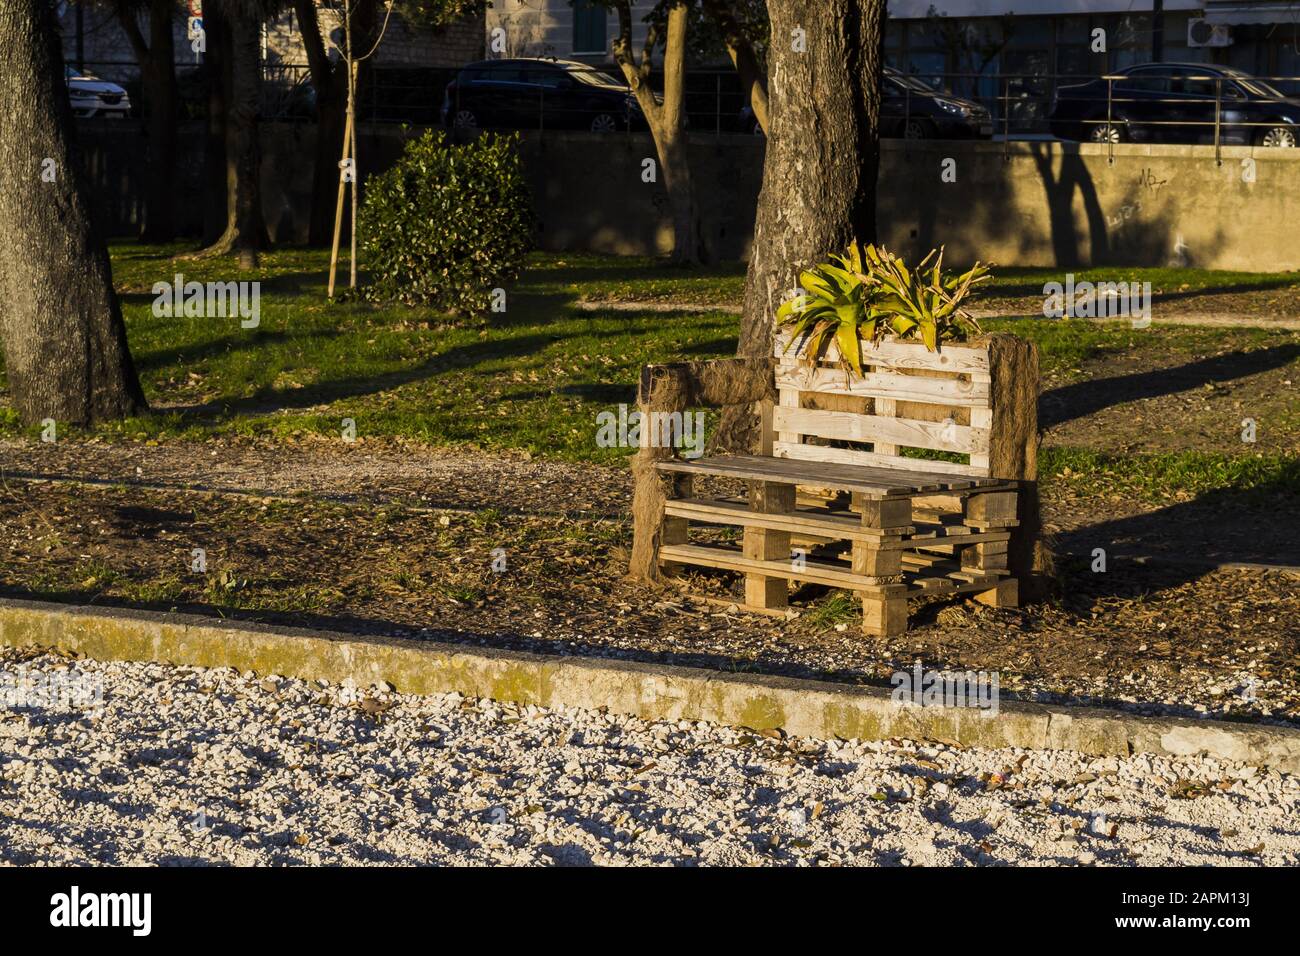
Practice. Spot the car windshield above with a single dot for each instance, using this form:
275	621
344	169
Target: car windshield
594	77
1252	85
911	83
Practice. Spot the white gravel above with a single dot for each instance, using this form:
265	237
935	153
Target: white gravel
181	765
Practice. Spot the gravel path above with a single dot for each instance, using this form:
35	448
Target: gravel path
180	765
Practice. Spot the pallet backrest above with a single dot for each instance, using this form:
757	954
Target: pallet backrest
908	397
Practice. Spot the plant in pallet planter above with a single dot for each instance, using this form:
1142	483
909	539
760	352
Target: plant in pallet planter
868	294
867	304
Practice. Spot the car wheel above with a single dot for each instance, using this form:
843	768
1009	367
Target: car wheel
1106	132
916	129
465	122
604	123
1283	136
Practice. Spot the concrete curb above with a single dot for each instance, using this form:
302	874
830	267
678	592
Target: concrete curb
651	691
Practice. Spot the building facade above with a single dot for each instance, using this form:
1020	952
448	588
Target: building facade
93	39
569	29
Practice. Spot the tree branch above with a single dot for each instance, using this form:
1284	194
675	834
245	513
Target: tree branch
743	58
318	61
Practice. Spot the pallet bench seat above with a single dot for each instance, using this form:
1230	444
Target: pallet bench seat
831	499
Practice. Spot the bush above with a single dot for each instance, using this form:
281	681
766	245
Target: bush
447	224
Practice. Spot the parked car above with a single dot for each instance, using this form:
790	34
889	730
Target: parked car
912	110
1176	103
535	93
92	97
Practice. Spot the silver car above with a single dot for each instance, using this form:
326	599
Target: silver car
92	97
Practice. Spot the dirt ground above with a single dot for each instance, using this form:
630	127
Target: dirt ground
1189	640
402	539
1143	402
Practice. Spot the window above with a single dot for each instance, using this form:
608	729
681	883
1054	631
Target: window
589	32
1147	81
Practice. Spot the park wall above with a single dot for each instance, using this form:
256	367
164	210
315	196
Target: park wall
1025	203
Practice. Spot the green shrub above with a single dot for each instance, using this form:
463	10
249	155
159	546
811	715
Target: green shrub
447	224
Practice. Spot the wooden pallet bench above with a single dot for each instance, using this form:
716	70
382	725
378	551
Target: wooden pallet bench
831	500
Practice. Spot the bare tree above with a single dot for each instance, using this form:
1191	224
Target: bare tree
60	323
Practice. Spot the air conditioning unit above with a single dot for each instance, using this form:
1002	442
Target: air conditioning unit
1205	33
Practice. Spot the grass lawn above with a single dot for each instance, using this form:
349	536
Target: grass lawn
534	377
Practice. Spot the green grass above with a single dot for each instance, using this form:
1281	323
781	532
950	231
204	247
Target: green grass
533	378
1162	477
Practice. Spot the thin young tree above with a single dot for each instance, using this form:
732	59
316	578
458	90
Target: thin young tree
330	82
64	342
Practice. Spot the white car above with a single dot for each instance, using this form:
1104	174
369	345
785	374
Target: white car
93	97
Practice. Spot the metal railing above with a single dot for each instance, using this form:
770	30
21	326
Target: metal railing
1009	105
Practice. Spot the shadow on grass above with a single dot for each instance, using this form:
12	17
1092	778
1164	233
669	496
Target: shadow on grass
226	345
1227	525
1081	399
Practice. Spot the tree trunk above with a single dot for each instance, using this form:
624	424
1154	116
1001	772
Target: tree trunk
64	342
159	79
819	172
667	123
216	64
245	231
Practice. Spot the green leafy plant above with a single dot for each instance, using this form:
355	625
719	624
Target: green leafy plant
446	224
867	293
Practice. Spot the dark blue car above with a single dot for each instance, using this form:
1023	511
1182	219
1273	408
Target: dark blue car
1176	103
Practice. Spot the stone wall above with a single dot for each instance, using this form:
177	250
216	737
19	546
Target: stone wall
1030	204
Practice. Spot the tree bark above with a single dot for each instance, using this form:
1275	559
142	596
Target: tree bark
667	122
60	323
158	76
819	172
245	232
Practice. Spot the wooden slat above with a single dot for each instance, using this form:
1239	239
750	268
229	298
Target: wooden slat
947	538
846	426
829	575
884	384
929	586
868	459
728	559
875	482
949	358
832	527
